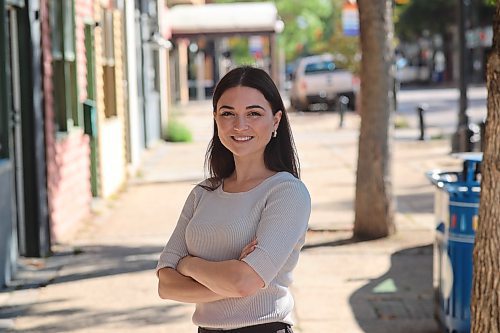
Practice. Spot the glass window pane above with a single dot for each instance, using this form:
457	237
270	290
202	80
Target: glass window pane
56	26
69	30
59	96
320	67
72	92
109	56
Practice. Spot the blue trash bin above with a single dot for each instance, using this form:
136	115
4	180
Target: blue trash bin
456	209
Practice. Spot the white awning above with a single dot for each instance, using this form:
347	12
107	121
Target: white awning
224	19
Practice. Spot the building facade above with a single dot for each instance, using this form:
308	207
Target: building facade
82	94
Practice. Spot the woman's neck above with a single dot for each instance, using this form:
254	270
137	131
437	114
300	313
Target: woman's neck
247	171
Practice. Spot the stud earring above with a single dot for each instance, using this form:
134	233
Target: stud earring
275	133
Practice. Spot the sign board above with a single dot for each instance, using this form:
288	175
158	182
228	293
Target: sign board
350	19
479	37
256	46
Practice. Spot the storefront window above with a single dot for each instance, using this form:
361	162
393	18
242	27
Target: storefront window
67	109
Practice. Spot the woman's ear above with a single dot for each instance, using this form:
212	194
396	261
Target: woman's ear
277	119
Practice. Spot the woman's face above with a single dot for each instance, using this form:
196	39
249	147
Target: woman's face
245	121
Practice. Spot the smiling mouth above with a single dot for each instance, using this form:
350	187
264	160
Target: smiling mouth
241	138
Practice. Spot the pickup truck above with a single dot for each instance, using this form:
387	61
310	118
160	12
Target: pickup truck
319	81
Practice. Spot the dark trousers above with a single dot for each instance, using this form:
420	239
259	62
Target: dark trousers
262	328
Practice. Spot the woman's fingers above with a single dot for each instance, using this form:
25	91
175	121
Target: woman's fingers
248	249
246	253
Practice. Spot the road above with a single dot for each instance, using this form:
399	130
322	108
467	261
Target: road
442	106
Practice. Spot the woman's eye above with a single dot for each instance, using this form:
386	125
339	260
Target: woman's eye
255	114
226	114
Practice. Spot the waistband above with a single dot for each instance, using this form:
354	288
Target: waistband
274	327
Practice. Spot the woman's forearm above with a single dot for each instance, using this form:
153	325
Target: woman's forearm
175	286
230	278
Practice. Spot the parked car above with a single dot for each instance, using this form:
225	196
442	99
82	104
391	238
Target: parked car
408	73
319	80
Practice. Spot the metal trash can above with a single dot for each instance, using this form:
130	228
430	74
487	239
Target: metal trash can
456	211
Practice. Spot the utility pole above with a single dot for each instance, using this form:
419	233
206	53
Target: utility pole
461	138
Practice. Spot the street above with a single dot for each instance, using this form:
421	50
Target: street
102	280
442	106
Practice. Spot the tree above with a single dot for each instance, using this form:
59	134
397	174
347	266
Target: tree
419	16
485	305
374	206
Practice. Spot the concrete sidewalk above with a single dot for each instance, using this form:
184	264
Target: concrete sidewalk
102	280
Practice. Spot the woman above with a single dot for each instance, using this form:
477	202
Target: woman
240	232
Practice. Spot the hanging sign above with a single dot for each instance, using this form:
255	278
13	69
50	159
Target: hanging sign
350	19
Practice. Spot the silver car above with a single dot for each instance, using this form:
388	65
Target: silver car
318	81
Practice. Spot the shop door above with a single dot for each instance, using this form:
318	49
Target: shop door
16	126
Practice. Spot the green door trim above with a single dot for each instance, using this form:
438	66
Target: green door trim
90	111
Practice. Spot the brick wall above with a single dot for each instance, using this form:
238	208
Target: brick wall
71	194
68	173
83	11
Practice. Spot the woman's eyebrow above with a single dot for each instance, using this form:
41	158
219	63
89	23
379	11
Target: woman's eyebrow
226	107
255	107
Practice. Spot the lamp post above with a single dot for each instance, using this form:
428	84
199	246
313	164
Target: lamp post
461	138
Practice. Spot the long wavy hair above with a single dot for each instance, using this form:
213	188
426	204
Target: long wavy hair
280	153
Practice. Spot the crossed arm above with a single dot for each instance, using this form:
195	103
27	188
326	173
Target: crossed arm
198	281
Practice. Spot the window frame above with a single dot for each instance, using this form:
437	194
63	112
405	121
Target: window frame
67	109
108	65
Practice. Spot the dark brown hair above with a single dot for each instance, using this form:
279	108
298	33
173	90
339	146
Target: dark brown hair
280	153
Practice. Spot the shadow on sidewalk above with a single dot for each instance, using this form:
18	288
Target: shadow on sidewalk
401	300
104	260
90	262
85	262
77	319
330	243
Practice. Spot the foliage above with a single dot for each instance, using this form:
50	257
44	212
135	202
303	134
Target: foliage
419	17
311	27
240	51
177	132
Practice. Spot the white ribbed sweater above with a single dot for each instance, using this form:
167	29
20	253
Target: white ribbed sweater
217	225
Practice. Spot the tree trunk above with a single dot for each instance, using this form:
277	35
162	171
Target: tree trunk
485	305
374	207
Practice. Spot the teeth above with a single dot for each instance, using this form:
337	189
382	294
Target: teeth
242	138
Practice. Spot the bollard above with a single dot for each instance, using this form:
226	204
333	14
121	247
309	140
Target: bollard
343	102
482	132
421	109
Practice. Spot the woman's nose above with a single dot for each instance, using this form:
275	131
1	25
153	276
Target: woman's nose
240	124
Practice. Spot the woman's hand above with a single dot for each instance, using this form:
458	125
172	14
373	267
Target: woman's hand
238	280
182	265
248	249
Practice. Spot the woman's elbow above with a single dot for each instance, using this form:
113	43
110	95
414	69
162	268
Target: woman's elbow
163	291
164	288
247	290
248	285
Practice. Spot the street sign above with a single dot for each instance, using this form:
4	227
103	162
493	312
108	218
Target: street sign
350	19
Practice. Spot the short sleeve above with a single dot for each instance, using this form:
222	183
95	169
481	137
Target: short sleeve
281	229
176	248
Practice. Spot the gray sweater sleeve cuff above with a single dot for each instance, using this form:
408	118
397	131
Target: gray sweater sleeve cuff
262	264
167	259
